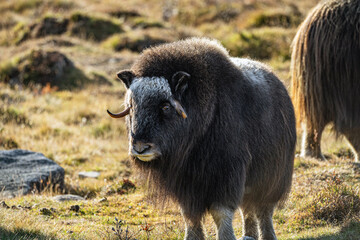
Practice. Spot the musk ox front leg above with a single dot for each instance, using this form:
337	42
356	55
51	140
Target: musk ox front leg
311	140
223	217
193	226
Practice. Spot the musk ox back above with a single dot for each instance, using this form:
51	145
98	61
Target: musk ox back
326	74
213	133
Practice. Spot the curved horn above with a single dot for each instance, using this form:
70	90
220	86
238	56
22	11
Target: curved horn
179	109
119	115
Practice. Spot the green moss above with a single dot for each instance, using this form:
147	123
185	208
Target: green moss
94	28
264	43
20	33
287	18
139	40
142	22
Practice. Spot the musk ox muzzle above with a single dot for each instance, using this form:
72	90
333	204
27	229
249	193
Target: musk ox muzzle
145	152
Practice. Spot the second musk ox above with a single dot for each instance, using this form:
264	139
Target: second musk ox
326	74
212	132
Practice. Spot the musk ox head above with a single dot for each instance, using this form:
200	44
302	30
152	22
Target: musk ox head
171	99
155	113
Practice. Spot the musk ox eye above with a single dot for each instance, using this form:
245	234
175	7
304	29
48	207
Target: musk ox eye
165	107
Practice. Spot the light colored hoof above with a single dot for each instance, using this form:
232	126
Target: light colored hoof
247	238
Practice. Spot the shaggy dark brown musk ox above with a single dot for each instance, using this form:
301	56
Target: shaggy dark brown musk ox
326	74
213	133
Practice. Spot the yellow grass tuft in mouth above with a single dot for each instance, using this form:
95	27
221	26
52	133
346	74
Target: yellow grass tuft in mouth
146	158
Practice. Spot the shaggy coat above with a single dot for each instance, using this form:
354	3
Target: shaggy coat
233	143
326	73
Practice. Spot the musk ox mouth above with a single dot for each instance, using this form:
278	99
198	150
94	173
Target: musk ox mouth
146	156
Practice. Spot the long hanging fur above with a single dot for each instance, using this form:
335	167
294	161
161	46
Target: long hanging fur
325	66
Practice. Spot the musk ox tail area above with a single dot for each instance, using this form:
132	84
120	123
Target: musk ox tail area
325	66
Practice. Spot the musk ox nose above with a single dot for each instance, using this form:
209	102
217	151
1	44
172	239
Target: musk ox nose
141	147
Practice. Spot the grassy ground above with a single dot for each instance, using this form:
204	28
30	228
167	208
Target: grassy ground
72	128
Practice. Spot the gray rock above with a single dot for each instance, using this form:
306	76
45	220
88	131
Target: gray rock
23	171
68	197
91	174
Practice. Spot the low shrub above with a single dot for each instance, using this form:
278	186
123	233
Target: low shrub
288	18
137	41
13	115
39	67
91	27
196	16
263	43
8	143
336	202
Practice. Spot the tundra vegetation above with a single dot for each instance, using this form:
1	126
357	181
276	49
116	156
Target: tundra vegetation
67	121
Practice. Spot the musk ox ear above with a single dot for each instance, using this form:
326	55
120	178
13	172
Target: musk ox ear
126	76
179	82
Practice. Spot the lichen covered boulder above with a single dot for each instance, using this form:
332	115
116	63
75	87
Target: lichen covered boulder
22	172
43	68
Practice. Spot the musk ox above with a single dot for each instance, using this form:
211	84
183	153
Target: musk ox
213	133
326	74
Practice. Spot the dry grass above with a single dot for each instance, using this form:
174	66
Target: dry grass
72	128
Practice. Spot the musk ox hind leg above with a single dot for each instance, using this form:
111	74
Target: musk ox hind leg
223	217
353	136
250	224
311	139
265	214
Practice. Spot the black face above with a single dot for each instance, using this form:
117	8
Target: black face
156	121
